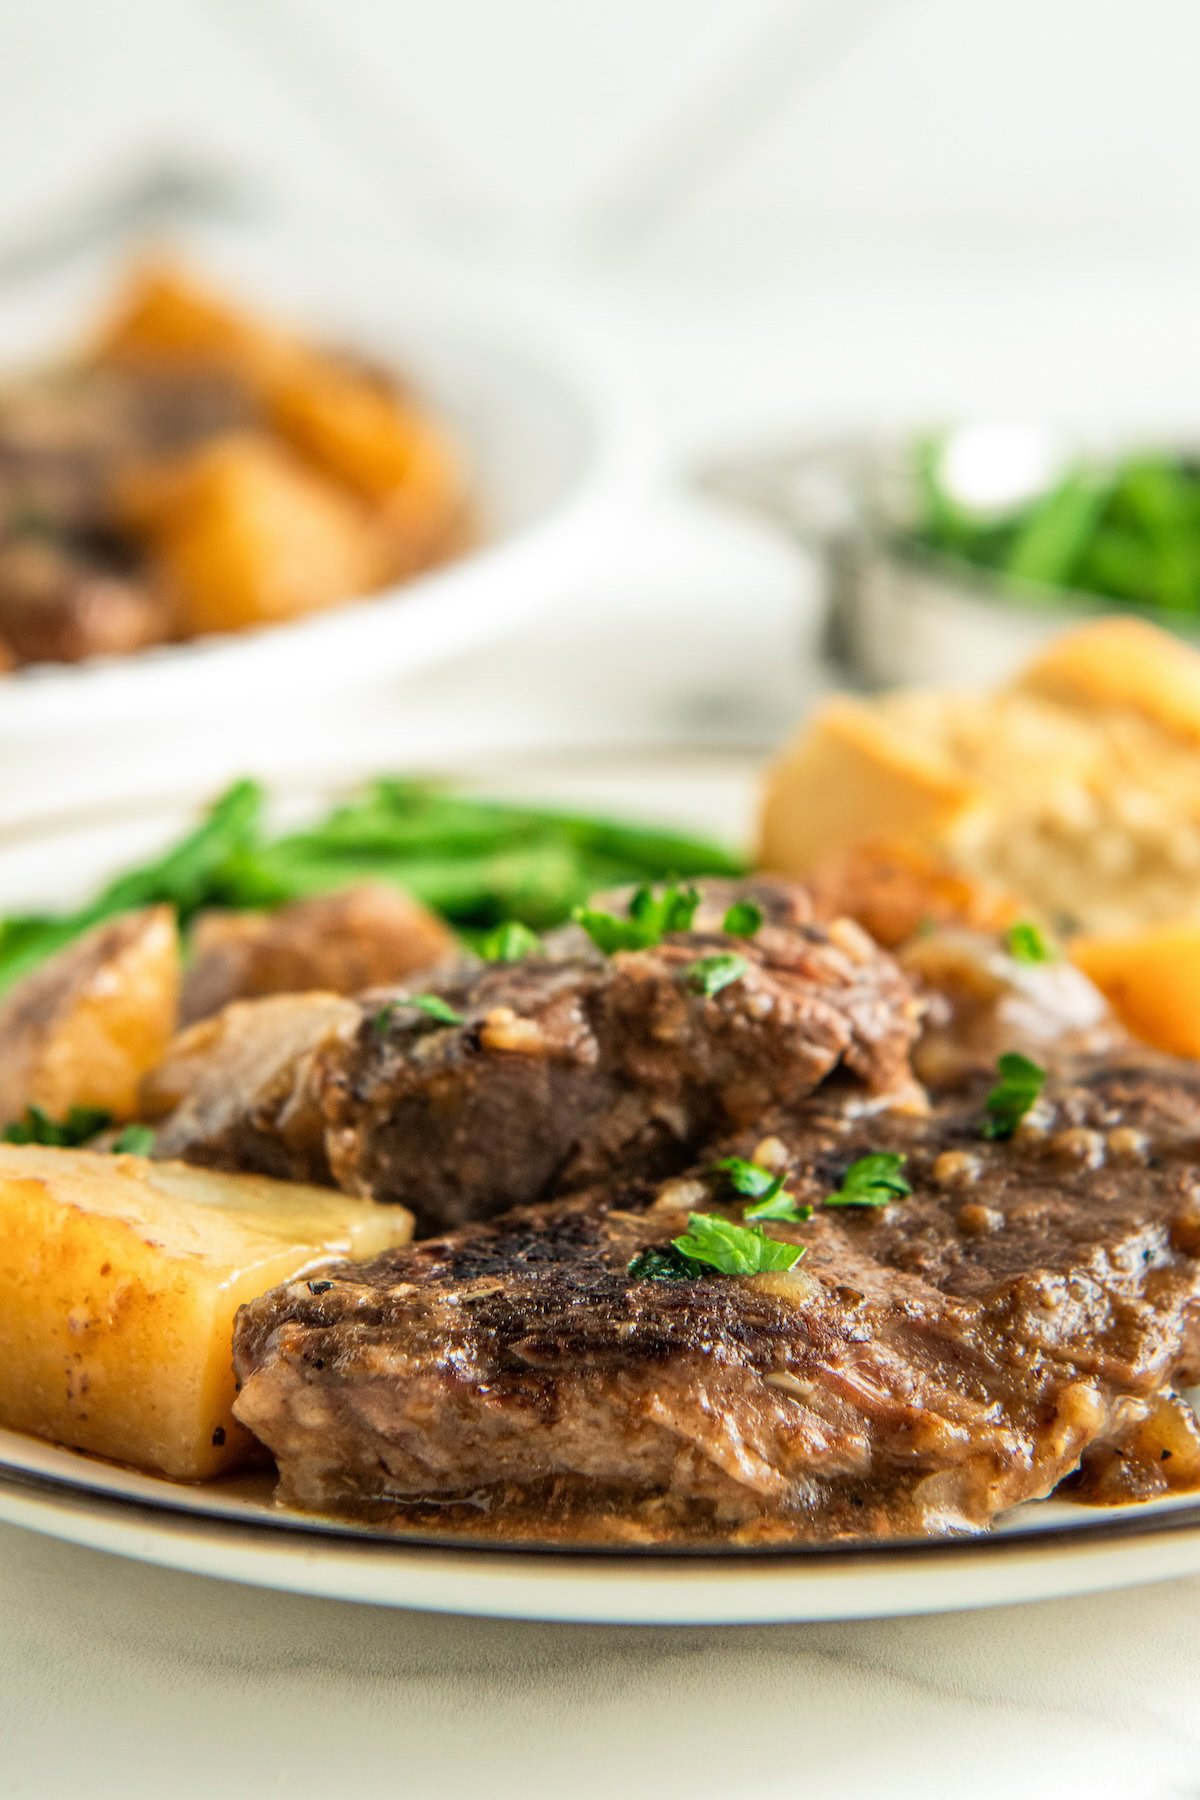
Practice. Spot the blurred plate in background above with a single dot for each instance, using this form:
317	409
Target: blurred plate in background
552	446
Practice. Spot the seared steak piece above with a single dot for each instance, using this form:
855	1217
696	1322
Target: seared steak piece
335	943
926	1366
565	1070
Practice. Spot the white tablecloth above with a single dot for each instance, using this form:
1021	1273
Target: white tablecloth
124	1680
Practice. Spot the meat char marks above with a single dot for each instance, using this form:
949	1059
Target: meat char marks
926	1366
529	1079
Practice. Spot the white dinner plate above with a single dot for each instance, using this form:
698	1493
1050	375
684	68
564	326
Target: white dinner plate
232	1529
553	442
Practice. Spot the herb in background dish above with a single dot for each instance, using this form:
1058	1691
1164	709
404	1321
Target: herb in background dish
1020	1084
874	1180
1126	530
81	1124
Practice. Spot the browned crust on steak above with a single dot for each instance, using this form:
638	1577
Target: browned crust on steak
570	1068
928	1366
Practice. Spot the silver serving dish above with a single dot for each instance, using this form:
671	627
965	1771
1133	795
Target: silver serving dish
899	614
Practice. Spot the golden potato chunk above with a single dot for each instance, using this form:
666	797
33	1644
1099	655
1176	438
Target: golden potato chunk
363	433
85	1027
359	937
244	534
119	1281
1151	979
164	317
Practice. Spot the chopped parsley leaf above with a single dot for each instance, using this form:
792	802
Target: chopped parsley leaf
133	1140
748	1178
1021	1082
734	1249
770	1196
432	1005
779	1204
662	1263
37	1127
509	942
744	919
872	1181
712	973
1028	943
651	916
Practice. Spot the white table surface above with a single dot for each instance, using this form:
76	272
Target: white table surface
122	1679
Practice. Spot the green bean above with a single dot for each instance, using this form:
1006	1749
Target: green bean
477	862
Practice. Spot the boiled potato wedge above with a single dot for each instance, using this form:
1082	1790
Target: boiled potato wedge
165	317
119	1281
360	431
85	1027
1151	979
244	534
356	938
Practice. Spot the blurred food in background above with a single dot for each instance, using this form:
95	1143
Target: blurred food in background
1063	807
1125	528
196	469
952	555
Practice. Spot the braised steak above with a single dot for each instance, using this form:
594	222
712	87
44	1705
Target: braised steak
926	1366
571	1068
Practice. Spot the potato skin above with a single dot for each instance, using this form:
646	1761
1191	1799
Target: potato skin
366	936
85	1027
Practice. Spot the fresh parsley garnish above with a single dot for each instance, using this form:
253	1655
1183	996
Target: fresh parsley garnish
133	1140
873	1180
37	1127
744	919
651	917
1028	943
713	1243
734	1249
509	942
432	1005
712	973
662	1263
777	1203
768	1191
1021	1082
748	1178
